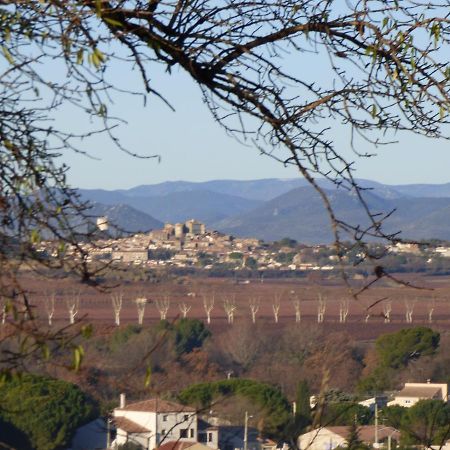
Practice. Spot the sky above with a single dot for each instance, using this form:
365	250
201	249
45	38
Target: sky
193	147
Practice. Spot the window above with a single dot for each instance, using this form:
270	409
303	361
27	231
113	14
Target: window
183	433
210	437
165	418
191	433
186	417
163	432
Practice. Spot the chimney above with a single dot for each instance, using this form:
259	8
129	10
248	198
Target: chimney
122	400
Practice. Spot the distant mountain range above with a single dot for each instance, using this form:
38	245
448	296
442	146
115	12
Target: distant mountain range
271	209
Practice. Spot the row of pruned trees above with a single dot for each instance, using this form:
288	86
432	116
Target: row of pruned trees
228	303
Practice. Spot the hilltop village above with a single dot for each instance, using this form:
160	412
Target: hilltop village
192	245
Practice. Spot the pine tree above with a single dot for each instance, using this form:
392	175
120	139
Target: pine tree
353	440
303	408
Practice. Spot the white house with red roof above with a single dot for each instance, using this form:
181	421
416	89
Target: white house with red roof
153	422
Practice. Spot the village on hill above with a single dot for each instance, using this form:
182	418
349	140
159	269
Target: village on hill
191	244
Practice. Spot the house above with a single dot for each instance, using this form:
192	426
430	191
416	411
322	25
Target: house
380	401
217	434
413	392
328	438
150	423
130	255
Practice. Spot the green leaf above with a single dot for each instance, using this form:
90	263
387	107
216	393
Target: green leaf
8	144
447	73
102	110
78	355
148	376
98	8
80	56
374	111
35	237
61	248
7	55
87	330
45	352
97	58
113	22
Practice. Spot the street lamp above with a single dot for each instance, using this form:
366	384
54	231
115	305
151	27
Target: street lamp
389	438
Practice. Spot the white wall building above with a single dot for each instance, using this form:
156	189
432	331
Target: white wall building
413	392
152	422
328	438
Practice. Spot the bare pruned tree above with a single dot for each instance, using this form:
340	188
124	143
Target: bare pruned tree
298	311
116	300
321	308
409	309
49	303
162	305
184	309
208	305
73	303
276	305
387	308
141	302
229	305
343	309
254	303
3	305
430	308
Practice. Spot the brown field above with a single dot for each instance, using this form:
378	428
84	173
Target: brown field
96	307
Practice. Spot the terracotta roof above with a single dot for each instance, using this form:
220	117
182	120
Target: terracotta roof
157	405
177	445
129	426
367	432
419	392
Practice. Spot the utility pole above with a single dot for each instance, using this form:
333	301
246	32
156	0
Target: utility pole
246	431
108	433
376	424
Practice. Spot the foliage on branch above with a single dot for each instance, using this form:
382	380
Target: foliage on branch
187	334
396	350
426	423
275	405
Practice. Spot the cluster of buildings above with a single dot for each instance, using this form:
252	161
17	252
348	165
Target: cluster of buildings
166	425
191	244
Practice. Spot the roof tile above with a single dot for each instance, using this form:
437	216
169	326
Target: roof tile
157	405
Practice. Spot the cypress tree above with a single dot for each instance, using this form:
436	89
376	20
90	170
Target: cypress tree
303	408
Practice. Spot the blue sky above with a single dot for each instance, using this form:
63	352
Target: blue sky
195	148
